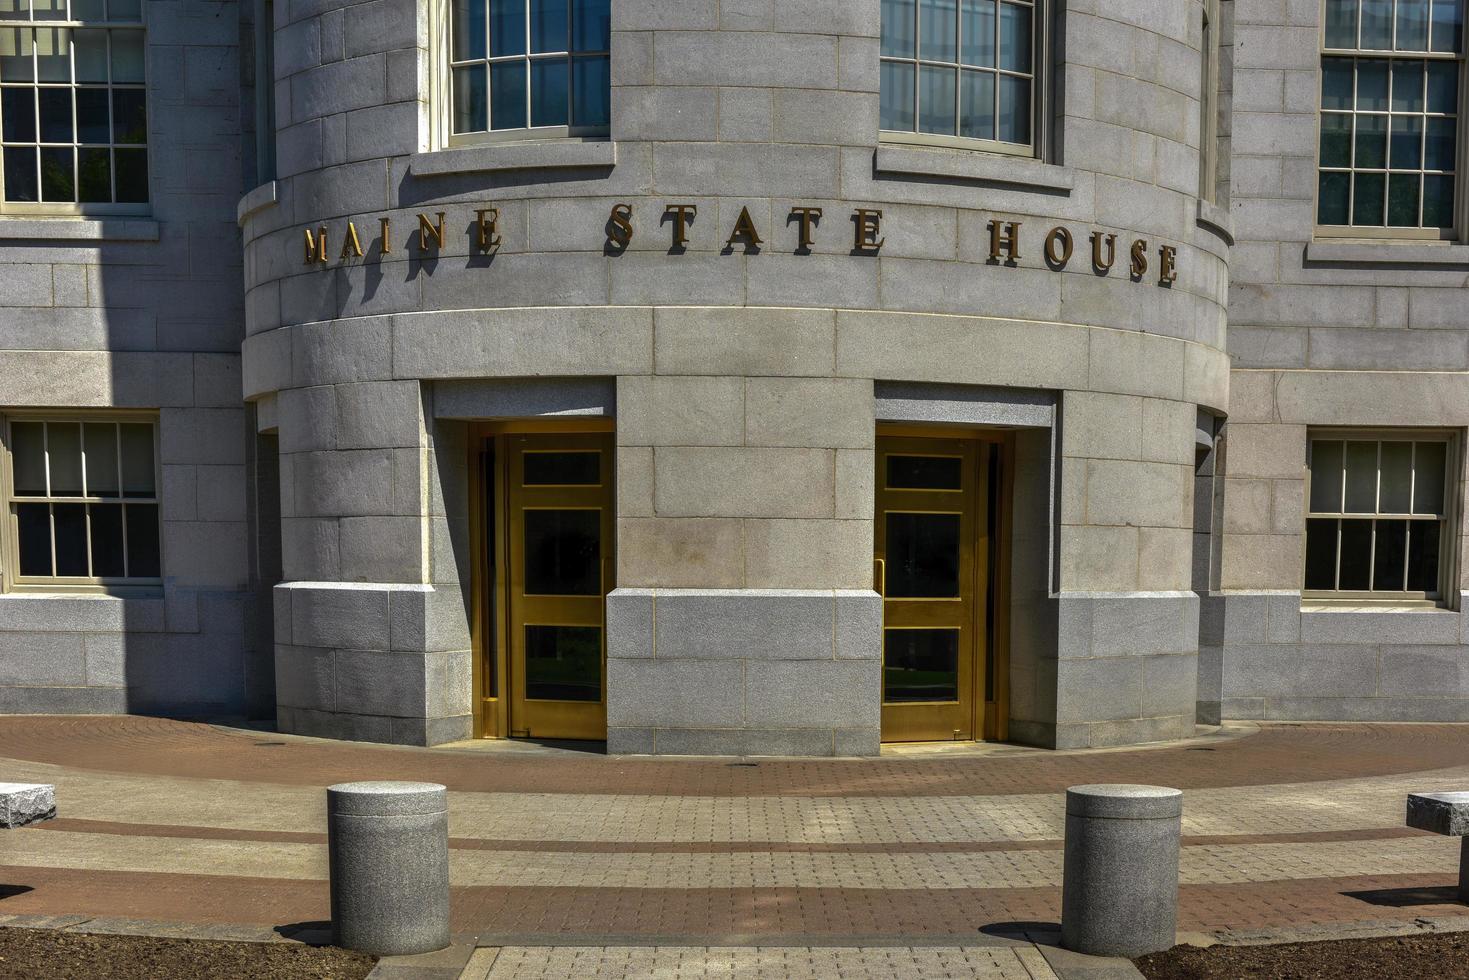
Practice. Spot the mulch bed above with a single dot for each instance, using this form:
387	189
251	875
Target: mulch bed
46	954
1443	956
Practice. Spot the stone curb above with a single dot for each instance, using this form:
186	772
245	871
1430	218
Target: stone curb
1367	929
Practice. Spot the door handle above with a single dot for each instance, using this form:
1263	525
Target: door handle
880	576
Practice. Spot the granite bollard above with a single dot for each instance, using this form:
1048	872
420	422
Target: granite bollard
1446	814
26	803
389	849
1119	894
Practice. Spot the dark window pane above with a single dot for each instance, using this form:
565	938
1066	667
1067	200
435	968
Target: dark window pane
1015	42
1402	200
130	168
977	105
125	9
1321	555
1371	142
920	665
471	100
1443	86
1336	83
1361	478
925	473
1412	25
1377	24
1428	478
1407	86
591	25
20	173
1369	197
18	115
107	561
507	95
1372	82
922	555
507	27
34	522
1406	143
90	52
897	97
899	18
938	29
549	29
1326	466
53	53
28	458
1335	201
94	175
55	115
1014	109
1423	549
563	663
936	107
87	10
977	32
563	552
93	124
1341	23
17	50
469	29
563	469
101	448
127	57
129	116
549	96
1336	140
142	532
1392	552
591	82
137	460
1448	25
1441	142
70	521
1396	493
64	457
1356	556
1438	201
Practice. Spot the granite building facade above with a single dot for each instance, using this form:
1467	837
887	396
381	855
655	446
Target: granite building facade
733	376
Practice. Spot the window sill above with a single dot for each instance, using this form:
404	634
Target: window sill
1359	252
975	166
256	201
1216	219
78	229
566	154
1313	605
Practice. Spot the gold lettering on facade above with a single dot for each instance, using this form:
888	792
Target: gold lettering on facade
1167	265
1005	241
619	226
1058	246
1139	258
487	224
316	246
427	229
351	244
869	228
1098	263
745	228
681	214
386	226
807	218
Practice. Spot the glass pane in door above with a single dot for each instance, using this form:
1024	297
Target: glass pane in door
563	663
563	552
922	556
920	665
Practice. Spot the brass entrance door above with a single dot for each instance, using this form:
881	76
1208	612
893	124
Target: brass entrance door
549	528
933	537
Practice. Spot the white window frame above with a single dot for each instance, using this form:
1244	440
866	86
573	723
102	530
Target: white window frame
13	580
1449	520
1461	205
1040	91
441	31
78	209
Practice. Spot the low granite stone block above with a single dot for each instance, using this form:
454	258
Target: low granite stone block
26	803
1439	813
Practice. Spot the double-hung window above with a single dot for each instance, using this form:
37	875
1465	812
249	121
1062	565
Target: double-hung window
963	69
1391	88
529	68
73	107
1377	526
83	501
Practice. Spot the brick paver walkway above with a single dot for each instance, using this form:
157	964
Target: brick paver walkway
1289	827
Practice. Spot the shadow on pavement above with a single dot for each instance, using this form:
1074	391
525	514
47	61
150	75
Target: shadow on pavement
1399	898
